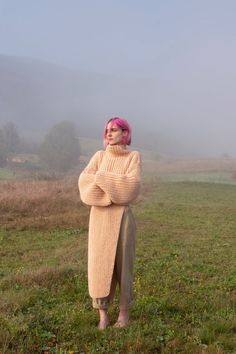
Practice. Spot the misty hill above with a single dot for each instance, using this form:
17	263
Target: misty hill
35	95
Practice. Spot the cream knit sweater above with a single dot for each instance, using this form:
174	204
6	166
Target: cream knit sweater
113	184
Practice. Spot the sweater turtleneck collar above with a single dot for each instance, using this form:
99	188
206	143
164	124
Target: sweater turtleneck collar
117	149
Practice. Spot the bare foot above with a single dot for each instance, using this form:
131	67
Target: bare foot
104	319
123	319
103	325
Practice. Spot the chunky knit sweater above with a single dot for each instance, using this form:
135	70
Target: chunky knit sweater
110	181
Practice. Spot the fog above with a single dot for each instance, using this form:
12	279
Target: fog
166	66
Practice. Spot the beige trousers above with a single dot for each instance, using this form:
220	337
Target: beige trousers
124	264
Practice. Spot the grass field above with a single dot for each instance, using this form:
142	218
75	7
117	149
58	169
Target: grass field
185	272
6	173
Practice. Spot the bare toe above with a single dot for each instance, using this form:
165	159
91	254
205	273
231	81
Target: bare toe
120	324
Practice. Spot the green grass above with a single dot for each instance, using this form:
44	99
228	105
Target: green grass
207	177
6	173
185	280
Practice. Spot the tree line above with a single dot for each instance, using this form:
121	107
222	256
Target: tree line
59	151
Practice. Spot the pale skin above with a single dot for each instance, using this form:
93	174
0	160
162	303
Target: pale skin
114	136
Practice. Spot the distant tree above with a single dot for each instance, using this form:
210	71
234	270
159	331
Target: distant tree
3	152
60	149
11	137
9	142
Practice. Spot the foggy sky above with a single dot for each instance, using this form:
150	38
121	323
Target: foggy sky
183	52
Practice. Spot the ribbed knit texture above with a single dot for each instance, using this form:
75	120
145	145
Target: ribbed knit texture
114	183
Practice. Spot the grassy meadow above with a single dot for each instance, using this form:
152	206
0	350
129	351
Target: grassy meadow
185	271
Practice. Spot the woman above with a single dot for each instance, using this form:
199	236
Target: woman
109	183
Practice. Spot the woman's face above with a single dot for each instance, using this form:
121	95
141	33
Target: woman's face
115	134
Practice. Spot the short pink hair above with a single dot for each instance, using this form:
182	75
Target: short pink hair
122	124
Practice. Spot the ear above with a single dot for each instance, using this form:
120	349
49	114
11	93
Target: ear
124	133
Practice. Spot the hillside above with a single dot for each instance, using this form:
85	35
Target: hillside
35	94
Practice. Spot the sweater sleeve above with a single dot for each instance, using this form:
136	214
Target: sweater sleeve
90	192
121	188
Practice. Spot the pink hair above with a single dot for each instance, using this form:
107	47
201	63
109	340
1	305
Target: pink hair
122	124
